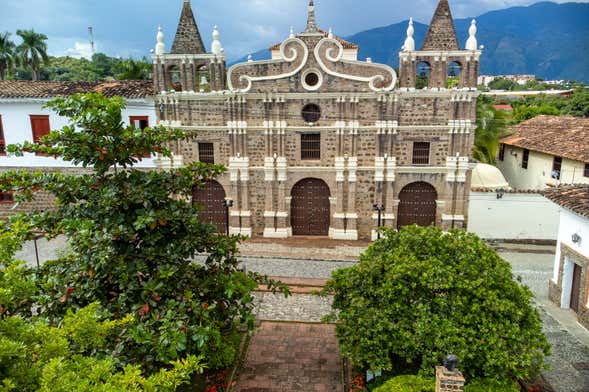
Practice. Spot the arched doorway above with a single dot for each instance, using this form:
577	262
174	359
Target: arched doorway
418	205
310	209
211	197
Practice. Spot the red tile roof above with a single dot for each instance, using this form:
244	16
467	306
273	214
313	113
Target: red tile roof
566	137
572	197
503	107
131	89
345	44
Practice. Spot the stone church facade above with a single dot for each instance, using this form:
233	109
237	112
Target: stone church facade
319	143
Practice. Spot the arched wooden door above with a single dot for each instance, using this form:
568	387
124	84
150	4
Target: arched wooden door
418	205
211	197
310	208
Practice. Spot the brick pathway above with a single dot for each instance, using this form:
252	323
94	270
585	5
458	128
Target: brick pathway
292	357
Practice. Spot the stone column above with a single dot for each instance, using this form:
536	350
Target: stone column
449	381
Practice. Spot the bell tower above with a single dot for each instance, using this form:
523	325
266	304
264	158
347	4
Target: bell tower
188	67
440	64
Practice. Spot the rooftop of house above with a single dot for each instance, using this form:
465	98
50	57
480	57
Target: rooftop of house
131	89
345	44
562	136
572	197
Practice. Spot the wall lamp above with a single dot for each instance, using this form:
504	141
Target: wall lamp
576	238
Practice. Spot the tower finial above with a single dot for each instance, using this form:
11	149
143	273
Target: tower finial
311	23
471	43
216	46
160	47
409	41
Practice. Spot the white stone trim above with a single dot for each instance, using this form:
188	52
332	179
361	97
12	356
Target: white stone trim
246	231
345	215
339	58
337	234
459	218
319	83
242	213
281	169
275	214
284	58
280	232
383	216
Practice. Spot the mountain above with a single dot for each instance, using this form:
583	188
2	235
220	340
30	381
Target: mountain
545	39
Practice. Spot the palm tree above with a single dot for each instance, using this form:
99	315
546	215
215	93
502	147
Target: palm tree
133	70
492	125
7	54
32	52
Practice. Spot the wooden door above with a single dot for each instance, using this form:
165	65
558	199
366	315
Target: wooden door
310	209
576	290
211	199
417	205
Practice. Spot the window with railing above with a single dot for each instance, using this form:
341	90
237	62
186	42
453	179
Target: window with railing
206	153
421	153
311	146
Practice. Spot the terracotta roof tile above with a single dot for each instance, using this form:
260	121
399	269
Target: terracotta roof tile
131	89
571	197
345	44
567	137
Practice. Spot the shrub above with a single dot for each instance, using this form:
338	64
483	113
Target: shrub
408	383
420	294
489	385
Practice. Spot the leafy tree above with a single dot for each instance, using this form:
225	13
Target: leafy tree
76	354
524	112
32	52
420	294
133	70
492	125
502	84
133	235
7	54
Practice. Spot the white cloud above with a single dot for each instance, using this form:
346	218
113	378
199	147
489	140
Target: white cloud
80	50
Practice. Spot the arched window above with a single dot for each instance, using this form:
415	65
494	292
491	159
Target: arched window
453	77
423	72
175	78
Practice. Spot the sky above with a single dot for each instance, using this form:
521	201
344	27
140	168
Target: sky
127	28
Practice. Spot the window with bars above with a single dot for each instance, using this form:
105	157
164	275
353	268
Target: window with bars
421	153
526	159
206	153
556	168
502	152
310	146
6	198
2	140
586	171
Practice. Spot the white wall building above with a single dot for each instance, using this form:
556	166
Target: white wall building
23	116
546	151
569	286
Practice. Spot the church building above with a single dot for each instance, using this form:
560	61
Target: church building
318	142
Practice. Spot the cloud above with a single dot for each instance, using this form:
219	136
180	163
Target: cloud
80	50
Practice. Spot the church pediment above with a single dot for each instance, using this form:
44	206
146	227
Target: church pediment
307	63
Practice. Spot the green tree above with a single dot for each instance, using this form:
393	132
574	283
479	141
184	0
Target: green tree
134	235
32	52
7	54
492	125
420	294
502	84
133	70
